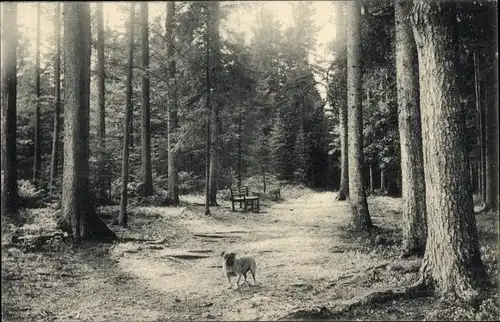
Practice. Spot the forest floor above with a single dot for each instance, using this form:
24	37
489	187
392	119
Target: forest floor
167	266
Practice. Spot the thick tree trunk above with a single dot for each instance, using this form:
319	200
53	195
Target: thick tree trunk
37	149
10	198
101	125
357	196
146	119
54	160
173	174
78	216
213	33
452	261
410	134
122	218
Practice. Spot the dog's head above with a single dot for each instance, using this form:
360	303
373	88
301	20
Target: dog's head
229	258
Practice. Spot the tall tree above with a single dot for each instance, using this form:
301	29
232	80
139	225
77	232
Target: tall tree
357	196
342	108
173	175
122	219
492	146
214	50
78	215
208	111
452	261
101	87
9	109
54	160
412	167
37	150
146	118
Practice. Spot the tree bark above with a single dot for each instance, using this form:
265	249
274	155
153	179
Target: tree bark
410	134
54	160
101	125
213	33
343	193
78	215
37	149
10	198
480	124
357	196
122	218
173	174
492	145
452	261
146	118
208	141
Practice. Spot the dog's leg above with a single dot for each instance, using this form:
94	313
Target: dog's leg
245	276
229	280
238	281
253	275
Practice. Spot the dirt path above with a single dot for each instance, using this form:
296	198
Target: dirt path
305	259
294	245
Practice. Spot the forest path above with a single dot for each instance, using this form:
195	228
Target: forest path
305	259
295	243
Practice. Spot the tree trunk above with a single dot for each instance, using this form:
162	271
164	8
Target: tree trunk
208	141
78	215
213	33
264	180
357	196
146	119
101	125
122	219
239	148
371	179
492	145
480	126
343	193
383	182
10	198
410	134
54	160
452	261
483	151
173	174
37	149
471	174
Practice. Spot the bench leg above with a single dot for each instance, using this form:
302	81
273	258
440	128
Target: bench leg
258	204
232	202
246	206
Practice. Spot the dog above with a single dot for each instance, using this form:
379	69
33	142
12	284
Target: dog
233	265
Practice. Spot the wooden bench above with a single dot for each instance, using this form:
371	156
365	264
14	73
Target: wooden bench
241	196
